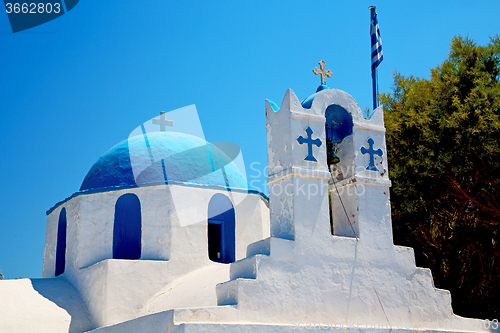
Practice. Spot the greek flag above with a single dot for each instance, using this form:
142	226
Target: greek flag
377	55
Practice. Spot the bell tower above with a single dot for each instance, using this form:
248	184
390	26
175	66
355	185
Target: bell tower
327	132
323	151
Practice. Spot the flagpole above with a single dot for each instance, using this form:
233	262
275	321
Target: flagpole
374	71
375	84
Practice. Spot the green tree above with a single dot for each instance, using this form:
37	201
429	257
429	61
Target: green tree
443	142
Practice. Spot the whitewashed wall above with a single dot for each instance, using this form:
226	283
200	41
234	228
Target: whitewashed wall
115	290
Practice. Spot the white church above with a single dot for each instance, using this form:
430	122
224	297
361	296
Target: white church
164	235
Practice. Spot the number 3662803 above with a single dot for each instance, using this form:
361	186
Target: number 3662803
33	8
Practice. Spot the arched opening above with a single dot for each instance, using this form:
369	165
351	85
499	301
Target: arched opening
338	125
127	228
221	229
61	243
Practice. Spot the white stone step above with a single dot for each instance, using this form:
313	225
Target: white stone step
260	247
227	293
245	268
277	248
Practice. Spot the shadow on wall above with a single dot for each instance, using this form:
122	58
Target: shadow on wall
64	295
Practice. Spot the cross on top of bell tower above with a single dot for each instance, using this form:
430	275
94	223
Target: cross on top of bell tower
321	71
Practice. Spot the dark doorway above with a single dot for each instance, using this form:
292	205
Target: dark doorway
215	240
221	229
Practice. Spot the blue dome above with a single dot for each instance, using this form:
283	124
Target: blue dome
307	103
164	158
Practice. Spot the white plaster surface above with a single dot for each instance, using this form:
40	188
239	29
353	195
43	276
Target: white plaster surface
203	320
118	290
293	181
196	289
90	225
42	305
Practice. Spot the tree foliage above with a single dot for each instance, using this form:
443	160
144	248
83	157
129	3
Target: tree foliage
443	141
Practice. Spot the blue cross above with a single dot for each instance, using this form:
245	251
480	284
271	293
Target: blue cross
372	152
310	142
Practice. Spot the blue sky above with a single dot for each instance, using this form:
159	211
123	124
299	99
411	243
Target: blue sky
72	88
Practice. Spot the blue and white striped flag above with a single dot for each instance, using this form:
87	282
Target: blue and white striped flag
377	55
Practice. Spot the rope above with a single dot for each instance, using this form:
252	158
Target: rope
362	256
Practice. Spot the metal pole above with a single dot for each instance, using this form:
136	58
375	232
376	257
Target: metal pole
374	84
374	72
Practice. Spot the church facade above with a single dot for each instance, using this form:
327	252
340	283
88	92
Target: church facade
173	248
